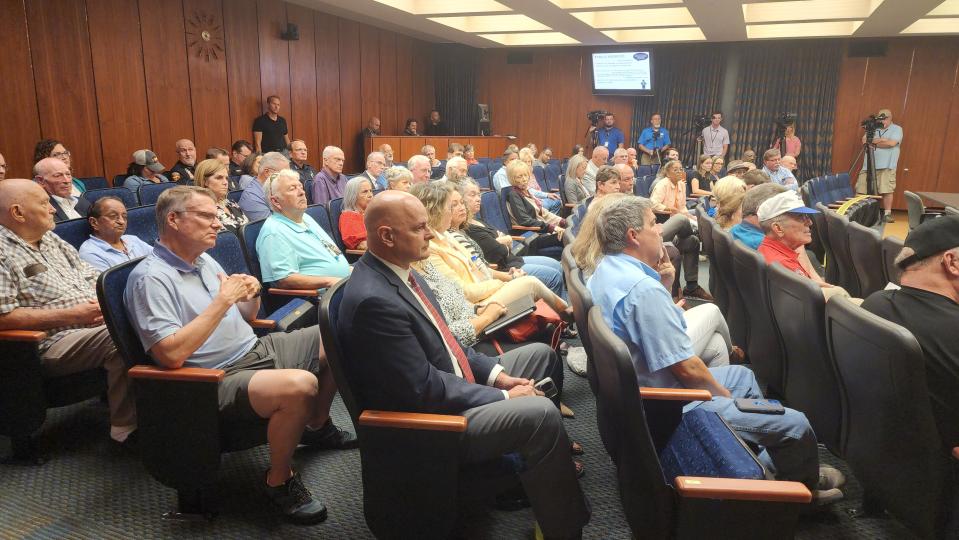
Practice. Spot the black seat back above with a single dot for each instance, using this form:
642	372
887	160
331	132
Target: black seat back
329	310
735	311
865	247
839	240
821	229
582	301
810	386
890	247
764	347
716	286
110	287
890	439
647	500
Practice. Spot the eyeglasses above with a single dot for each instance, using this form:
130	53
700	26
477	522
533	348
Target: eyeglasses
58	155
208	217
115	217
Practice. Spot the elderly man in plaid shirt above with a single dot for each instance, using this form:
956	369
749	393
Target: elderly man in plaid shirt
44	285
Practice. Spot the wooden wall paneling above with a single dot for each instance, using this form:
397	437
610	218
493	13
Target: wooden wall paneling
564	129
274	56
394	142
424	96
404	81
208	77
303	100
409	146
388	113
327	81
167	79
949	167
846	140
925	118
63	74
441	144
351	112
481	147
369	75
18	91
244	93
119	80
536	110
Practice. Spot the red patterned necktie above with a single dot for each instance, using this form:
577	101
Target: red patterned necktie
445	332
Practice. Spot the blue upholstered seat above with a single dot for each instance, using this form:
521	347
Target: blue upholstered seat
703	445
128	197
478	171
149	193
94	182
74	231
336	208
142	223
321	215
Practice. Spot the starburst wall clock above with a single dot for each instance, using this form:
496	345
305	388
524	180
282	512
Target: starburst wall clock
204	36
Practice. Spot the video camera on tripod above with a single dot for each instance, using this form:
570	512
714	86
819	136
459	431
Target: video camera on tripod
596	117
785	119
702	121
872	123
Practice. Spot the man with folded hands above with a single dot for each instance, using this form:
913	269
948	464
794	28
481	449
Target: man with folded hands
631	286
188	312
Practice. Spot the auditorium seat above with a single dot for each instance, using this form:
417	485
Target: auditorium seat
478	172
917	210
554	252
540	176
149	193
119	179
890	247
950	211
581	300
413	480
809	385
644	185
236	194
735	311
716	286
865	247
890	439
94	182
492	212
142	223
128	197
74	231
321	214
275	298
682	476
180	432
764	346
836	226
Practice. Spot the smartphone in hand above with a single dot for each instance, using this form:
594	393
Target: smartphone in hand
547	387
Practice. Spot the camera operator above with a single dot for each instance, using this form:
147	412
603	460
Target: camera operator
715	137
652	140
886	144
608	135
793	144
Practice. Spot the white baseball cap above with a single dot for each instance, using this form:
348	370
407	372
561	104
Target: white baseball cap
787	202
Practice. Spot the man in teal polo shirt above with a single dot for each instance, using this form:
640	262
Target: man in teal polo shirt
294	251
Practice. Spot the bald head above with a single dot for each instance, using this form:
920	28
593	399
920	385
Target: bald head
54	176
397	228
25	208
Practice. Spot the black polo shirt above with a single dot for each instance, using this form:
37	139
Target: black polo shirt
437	129
236	170
182	174
932	318
273	132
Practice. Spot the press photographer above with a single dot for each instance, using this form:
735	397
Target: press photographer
786	130
884	137
603	132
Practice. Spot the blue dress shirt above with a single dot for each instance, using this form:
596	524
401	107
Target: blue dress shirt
101	255
253	202
610	138
646	138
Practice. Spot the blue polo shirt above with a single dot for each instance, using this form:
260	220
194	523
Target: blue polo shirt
286	247
253	201
610	138
782	176
101	255
165	293
748	234
888	158
646	138
641	312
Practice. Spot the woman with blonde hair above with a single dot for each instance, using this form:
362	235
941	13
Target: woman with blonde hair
525	210
730	210
551	201
573	186
480	283
213	175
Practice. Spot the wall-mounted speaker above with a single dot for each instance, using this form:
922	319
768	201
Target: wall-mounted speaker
866	49
292	33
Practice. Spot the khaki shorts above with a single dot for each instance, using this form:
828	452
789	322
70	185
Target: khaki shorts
885	180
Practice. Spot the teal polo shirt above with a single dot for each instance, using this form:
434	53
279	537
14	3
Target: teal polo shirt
285	247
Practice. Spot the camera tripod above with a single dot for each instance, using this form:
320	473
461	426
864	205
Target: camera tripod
870	152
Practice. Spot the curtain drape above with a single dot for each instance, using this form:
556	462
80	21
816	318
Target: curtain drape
688	82
454	76
778	78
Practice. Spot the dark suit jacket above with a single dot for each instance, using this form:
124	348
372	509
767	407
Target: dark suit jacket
82	207
396	358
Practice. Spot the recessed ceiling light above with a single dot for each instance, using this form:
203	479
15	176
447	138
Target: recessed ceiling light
424	7
949	7
806	10
656	34
800	30
637	18
933	26
492	23
531	38
591	4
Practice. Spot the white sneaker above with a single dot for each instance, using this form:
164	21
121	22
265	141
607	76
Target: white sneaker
830	478
576	360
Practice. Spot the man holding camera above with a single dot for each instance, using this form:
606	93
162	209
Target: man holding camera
653	140
886	154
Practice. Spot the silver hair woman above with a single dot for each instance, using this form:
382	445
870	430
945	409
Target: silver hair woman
356	197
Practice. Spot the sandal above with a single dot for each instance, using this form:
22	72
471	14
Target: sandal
565	411
580	468
576	448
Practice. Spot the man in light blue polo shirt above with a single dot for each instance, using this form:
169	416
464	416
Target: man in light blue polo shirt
772	165
636	304
188	312
294	251
886	143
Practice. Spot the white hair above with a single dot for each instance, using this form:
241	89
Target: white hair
330	150
417	158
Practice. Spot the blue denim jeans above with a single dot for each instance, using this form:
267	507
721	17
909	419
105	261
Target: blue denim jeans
787	442
547	270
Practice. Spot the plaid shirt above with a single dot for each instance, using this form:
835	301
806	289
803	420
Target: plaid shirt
51	277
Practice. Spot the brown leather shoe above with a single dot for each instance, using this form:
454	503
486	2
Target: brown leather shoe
698	292
737	356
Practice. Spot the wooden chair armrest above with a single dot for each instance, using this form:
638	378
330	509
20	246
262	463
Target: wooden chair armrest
494	266
294	292
955	453
22	335
570	205
404	420
189	374
697	487
674	394
356	252
554	190
263	323
518	238
525	228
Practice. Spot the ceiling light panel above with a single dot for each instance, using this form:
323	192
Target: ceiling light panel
492	23
933	26
801	30
591	4
947	8
531	38
426	7
637	18
806	10
646	35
